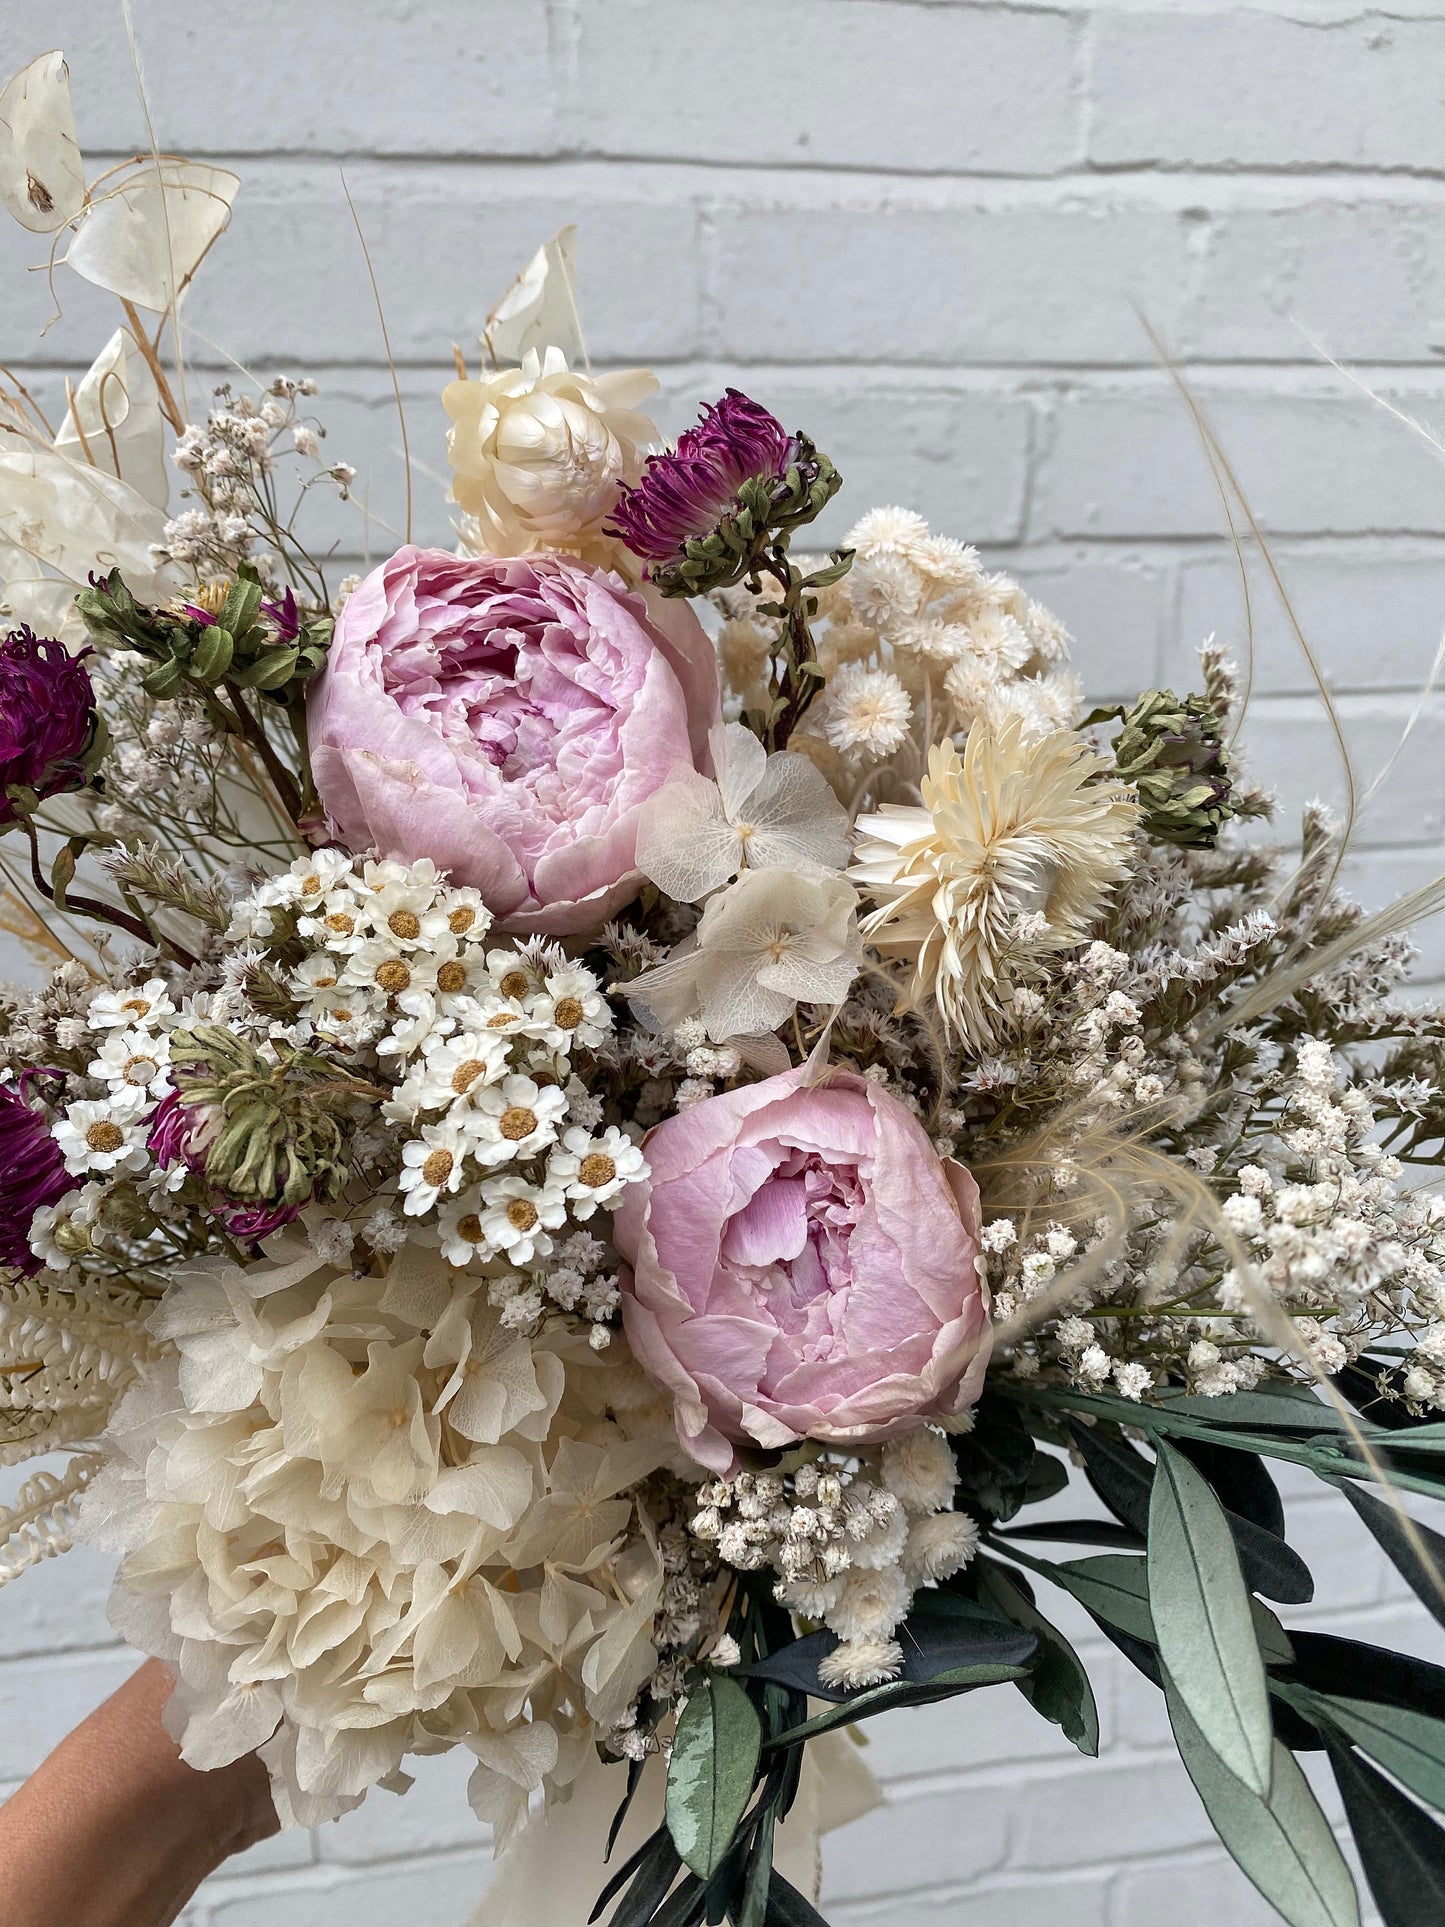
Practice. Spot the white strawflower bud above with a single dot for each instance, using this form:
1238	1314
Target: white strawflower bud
939	1546
919	1471
870	1604
727	1652
863	1662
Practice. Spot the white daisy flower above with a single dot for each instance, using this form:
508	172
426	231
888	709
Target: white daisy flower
135	1060
405	915
135	1007
512	976
104	1134
379	968
468	918
419	1021
317	979
346	1022
379	873
499	1016
456	1068
432	1166
519	1217
513	1119
52	1221
460	973
336	922
591	1171
310	880
460	1224
571	1011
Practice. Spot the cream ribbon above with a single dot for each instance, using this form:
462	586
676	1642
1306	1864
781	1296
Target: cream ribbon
552	1873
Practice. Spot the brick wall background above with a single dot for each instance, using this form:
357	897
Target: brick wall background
926	230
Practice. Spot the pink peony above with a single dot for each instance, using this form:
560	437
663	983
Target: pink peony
508	719
803	1265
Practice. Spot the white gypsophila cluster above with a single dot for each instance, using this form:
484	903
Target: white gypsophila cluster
161	774
228	465
851	1542
1327	1225
360	1519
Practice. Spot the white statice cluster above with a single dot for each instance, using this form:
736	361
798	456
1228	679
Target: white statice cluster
361	1519
851	1541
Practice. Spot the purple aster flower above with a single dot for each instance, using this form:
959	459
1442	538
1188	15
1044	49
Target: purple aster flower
248	1224
684	495
283	617
169	1141
46	717
32	1174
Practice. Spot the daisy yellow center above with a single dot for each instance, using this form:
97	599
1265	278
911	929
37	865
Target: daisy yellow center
393	976
465	1075
140	1005
339	923
569	1013
469	1226
461	920
521	1216
438	1167
405	924
596	1169
310	885
517	1122
514	984
105	1136
324	983
452	977
504	1020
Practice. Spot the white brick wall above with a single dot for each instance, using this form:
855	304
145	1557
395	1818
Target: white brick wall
921	229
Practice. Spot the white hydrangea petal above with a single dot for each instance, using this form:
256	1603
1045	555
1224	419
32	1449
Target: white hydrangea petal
797	821
739	762
685	843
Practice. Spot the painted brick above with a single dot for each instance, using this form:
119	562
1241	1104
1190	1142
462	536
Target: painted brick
457	77
950	1839
1106	1814
1144	1896
1078	1901
1125	460
832	83
1292	748
1224	87
1371	613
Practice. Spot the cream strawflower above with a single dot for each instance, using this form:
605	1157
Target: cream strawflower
770	941
1011	829
761	811
869	711
538	452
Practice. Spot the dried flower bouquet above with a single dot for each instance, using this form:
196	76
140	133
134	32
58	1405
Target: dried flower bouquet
610	1106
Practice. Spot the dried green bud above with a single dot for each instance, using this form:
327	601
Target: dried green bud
1171	751
273	1129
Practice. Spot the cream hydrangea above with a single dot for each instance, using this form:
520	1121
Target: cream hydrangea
359	1519
538	452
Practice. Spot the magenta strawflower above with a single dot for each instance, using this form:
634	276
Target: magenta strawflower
684	495
32	1174
47	718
